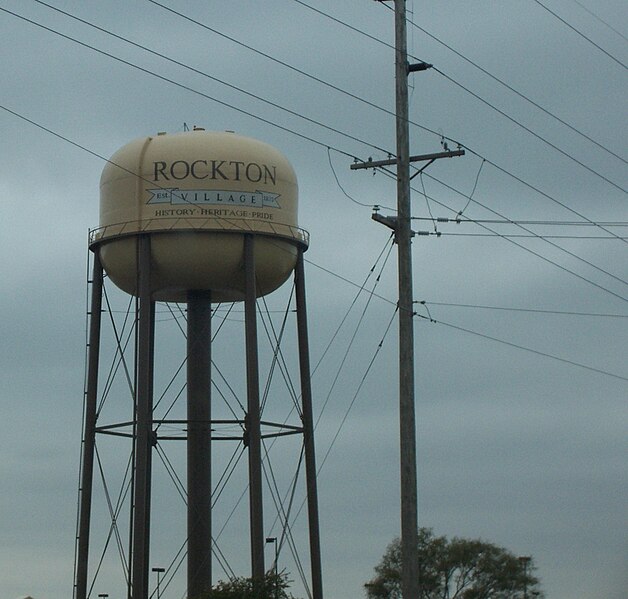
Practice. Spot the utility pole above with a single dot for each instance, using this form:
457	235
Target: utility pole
401	224
407	421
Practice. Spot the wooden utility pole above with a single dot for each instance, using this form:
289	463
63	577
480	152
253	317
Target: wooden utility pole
407	422
401	224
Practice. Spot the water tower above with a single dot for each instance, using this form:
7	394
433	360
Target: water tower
198	218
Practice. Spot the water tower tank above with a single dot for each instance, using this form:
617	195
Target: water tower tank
197	194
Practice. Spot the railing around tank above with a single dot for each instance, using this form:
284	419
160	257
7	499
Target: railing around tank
199	223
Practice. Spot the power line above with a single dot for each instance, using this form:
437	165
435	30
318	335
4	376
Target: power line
545	238
558	247
507	86
511	309
526	249
545	259
440	203
211	77
518	93
319	143
446	185
283	63
595	16
537	190
522	235
580	34
531	132
516	122
492	163
333	170
349	94
345	356
372	294
165	79
359	388
502	169
560	223
528	349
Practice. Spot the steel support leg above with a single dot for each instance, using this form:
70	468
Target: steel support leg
199	442
253	425
308	431
89	434
144	438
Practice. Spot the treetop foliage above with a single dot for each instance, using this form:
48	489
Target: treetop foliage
272	586
456	569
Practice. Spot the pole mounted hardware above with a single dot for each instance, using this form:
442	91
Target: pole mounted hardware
419	66
391	222
420	158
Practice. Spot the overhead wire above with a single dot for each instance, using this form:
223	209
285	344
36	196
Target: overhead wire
551	243
530	236
186	66
355	97
427	201
582	35
544	223
279	62
314	264
254	116
517	92
357	328
466	147
333	170
531	132
544	258
475	185
513	309
548	260
164	79
538	190
14	113
597	17
501	112
528	349
358	389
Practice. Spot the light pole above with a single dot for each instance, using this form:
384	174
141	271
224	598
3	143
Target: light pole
524	560
274	540
159	572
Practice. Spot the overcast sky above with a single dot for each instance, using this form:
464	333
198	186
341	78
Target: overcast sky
526	449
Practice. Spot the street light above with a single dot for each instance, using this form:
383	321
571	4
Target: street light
274	540
524	560
159	572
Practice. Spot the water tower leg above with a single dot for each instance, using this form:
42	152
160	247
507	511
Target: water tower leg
308	431
253	425
199	442
144	436
89	435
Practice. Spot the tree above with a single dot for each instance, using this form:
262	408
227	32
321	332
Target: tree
456	569
272	586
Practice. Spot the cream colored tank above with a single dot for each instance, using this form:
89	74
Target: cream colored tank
197	194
